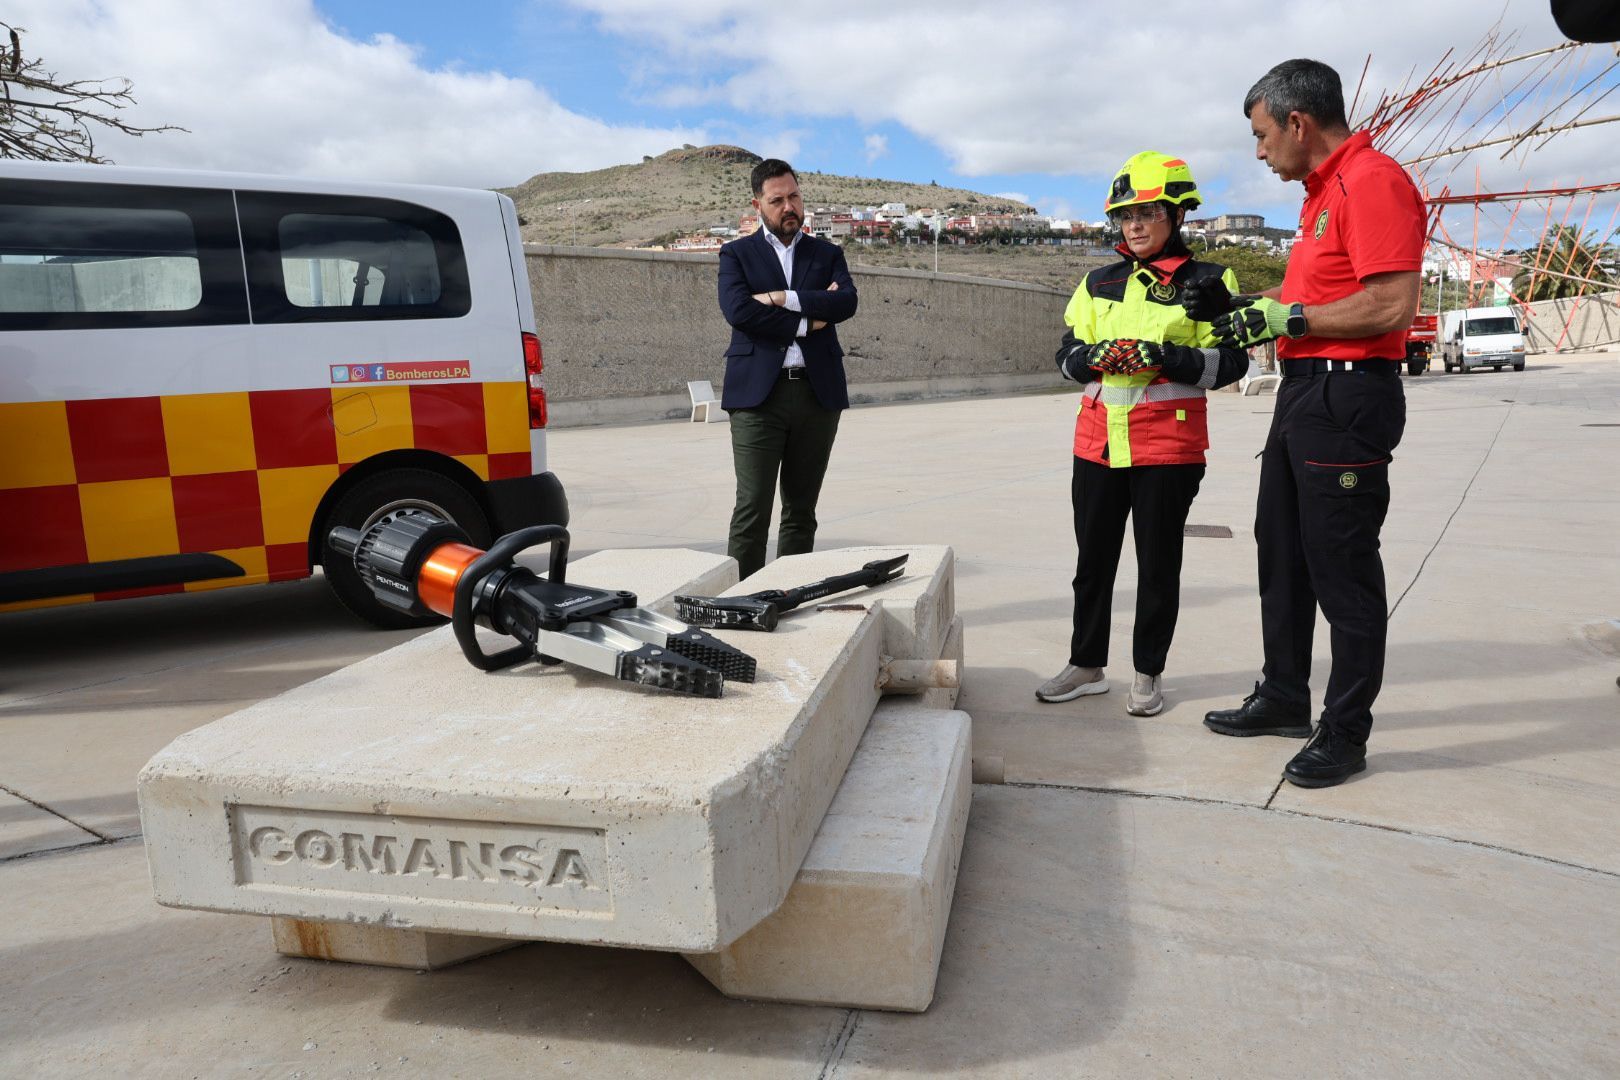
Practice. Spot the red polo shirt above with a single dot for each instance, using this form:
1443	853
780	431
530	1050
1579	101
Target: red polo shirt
1362	216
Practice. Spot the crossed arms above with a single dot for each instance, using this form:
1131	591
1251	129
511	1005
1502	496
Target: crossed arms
764	315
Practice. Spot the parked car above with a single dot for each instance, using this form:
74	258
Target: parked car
201	374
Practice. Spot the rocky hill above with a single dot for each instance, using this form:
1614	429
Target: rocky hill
691	189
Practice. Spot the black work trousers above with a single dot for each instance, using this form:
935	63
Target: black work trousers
1156	498
786	439
1324	491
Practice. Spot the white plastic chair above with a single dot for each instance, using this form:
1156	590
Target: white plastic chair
705	406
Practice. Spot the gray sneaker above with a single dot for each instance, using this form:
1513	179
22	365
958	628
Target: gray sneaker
1073	682
1144	698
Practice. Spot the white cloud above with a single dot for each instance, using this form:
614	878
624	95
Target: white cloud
267	86
1051	86
876	146
1011	196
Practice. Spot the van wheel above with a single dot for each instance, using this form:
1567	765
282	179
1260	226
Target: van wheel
370	499
1519	366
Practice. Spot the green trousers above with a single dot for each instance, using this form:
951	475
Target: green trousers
788	436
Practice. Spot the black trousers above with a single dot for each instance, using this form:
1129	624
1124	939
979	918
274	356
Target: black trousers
1324	491
787	439
1156	498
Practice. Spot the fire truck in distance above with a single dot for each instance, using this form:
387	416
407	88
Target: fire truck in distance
1420	342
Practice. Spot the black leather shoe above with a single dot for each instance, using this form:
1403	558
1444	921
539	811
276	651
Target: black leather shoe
1329	758
1261	716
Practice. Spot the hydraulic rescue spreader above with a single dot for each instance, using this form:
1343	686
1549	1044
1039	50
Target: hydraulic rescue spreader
418	563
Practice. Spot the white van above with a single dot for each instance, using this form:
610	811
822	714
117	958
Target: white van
1482	337
201	374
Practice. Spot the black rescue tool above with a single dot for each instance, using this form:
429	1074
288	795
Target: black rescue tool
419	564
759	611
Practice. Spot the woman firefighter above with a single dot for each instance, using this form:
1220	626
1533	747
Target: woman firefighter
1139	439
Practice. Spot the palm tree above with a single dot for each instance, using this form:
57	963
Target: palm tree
1564	250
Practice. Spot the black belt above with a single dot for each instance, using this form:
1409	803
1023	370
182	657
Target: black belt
793	372
1314	366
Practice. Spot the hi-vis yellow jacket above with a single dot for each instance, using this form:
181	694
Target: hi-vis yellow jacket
1147	419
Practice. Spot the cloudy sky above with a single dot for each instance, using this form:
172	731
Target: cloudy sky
1038	98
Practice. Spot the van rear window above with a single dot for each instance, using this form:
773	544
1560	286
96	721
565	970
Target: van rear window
1481	327
100	256
340	258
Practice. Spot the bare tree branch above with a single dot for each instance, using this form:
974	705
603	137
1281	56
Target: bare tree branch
58	118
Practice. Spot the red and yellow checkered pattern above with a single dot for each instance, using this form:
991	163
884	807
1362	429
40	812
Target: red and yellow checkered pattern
236	474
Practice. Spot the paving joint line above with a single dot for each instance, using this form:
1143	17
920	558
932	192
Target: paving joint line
54	813
1231	804
835	1057
71	849
1410	585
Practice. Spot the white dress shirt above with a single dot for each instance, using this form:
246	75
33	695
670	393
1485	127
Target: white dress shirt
784	255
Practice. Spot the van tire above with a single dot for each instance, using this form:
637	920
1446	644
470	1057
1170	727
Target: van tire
1519	366
370	499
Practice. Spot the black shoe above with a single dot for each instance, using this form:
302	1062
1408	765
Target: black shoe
1261	716
1329	758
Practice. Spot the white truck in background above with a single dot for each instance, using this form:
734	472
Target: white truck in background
1472	338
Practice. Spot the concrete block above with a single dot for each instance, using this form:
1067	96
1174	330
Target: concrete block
413	792
379	945
864	924
945	697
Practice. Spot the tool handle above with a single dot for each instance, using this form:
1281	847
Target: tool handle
873	573
499	556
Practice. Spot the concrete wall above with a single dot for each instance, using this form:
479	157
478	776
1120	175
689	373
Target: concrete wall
624	331
1596	322
158	283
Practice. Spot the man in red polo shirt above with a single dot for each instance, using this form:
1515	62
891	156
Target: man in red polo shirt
1350	292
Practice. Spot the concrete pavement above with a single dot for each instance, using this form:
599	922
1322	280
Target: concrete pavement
1139	898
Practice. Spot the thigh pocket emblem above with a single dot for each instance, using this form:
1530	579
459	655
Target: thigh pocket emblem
1350	501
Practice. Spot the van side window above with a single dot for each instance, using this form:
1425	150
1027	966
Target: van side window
335	260
104	256
332	258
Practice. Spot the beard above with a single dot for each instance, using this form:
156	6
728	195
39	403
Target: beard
781	229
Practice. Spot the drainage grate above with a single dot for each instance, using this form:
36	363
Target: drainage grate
1219	532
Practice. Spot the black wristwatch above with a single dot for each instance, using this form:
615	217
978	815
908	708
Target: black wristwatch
1296	327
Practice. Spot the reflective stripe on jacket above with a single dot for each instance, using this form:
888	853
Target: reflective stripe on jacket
1142	419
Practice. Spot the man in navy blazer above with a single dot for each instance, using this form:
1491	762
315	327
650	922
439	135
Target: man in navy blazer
782	291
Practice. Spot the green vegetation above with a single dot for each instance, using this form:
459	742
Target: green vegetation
1565	250
1256	271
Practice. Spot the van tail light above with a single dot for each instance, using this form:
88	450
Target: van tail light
533	365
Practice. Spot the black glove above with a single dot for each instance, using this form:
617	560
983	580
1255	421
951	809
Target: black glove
1205	301
1071	359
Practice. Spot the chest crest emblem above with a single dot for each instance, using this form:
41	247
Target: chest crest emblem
1321	224
1348	480
1162	292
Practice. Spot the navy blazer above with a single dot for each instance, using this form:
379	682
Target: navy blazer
761	333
